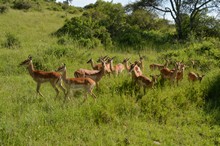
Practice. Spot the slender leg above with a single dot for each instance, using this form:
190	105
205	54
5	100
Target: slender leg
38	89
61	87
54	86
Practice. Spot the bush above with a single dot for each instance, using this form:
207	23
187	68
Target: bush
22	5
11	42
3	9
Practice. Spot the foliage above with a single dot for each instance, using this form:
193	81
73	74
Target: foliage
3	9
22	5
187	114
11	42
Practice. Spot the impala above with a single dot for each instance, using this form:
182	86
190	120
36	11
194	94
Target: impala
95	75
144	81
86	84
195	77
117	68
170	74
125	62
95	66
179	76
136	71
41	76
155	66
141	60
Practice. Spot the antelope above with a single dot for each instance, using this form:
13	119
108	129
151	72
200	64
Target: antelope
95	66
194	77
169	74
141	64
159	66
125	63
95	75
86	84
117	68
179	76
42	76
144	81
136	71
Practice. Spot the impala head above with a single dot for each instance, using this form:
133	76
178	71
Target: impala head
125	60
27	61
89	61
61	68
103	58
200	77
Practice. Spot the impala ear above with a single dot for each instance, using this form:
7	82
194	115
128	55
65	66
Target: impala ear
30	57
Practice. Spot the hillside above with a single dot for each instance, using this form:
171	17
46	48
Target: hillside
187	114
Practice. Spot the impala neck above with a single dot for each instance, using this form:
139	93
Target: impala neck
111	66
31	69
127	66
92	64
64	77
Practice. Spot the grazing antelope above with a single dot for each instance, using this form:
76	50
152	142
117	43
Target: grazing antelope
195	77
144	81
95	75
169	74
155	66
41	76
117	68
85	84
125	63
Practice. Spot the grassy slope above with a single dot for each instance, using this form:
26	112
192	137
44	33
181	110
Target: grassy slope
172	116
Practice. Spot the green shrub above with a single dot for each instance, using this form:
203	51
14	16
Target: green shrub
11	42
3	9
22	5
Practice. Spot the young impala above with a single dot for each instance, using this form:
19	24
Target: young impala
85	84
41	76
125	63
95	75
155	66
195	77
142	80
116	69
95	66
170	74
179	76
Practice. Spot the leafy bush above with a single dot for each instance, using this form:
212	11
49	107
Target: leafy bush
22	5
11	42
3	9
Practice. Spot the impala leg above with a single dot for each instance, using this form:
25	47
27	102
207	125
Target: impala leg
61	87
38	89
55	88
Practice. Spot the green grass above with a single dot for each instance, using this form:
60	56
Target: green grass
168	115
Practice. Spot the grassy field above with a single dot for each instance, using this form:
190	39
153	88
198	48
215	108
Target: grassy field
167	115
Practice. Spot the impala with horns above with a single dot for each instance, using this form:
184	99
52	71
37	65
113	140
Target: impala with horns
42	76
142	80
192	76
85	84
95	75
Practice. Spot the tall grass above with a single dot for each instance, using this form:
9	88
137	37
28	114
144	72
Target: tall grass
180	115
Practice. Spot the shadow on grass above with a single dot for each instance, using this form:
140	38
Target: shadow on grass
212	99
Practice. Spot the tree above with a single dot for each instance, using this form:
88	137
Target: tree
178	8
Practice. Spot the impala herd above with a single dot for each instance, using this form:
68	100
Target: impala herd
85	79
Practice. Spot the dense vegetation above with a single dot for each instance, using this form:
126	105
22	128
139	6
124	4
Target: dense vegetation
187	114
